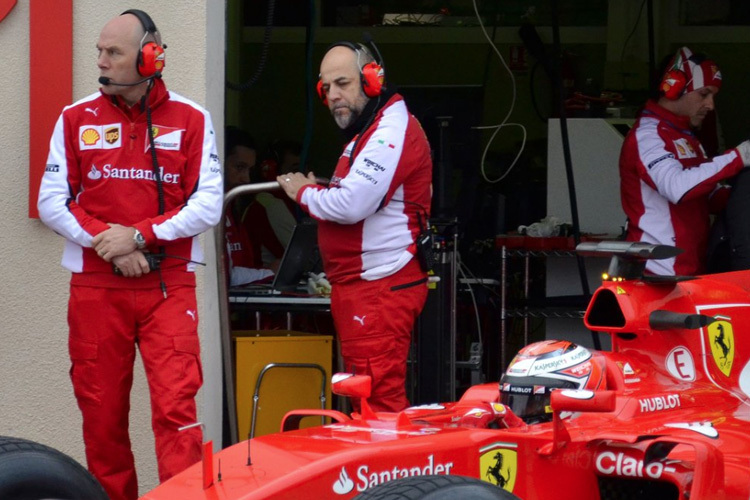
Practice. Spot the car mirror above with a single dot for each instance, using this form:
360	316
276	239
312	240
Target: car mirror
569	400
582	400
353	386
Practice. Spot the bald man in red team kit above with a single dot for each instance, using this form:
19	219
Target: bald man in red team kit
132	179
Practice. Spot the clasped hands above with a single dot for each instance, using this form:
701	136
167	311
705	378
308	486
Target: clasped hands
116	245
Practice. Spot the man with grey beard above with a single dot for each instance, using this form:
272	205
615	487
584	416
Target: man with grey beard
369	217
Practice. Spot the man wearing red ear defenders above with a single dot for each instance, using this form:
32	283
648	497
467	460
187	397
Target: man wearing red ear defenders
668	186
368	219
133	171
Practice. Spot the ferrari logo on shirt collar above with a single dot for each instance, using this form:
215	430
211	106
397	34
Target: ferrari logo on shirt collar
167	138
684	149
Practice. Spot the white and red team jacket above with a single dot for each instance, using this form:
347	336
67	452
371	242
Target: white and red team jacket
666	182
368	216
100	171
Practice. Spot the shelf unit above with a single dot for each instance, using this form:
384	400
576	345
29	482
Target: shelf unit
525	312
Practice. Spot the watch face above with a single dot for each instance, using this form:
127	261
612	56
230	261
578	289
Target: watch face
139	239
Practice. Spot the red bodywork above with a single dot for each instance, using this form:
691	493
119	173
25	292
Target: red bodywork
673	423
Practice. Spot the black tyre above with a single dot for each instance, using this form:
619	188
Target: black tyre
32	471
436	488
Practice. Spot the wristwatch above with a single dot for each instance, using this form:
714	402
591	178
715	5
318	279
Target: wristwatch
140	241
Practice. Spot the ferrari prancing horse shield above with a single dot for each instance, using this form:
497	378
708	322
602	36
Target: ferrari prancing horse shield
498	466
721	338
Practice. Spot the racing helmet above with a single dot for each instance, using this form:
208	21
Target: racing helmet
540	368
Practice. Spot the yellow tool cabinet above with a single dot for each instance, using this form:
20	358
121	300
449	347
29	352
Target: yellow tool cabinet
290	368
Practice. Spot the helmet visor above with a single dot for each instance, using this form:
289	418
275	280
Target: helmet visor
531	403
532	408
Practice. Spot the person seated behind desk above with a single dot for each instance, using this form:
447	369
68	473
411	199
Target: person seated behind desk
244	265
268	219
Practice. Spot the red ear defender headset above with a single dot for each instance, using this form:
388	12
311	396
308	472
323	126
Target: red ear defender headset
371	75
675	80
151	58
673	83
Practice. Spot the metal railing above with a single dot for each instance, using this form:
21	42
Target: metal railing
225	328
270	366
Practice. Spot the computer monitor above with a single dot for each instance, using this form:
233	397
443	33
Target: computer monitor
301	257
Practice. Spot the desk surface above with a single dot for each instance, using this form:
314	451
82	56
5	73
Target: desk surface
239	298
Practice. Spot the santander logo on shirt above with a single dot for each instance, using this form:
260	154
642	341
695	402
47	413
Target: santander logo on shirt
132	173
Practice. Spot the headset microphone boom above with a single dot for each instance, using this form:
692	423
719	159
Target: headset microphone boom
104	80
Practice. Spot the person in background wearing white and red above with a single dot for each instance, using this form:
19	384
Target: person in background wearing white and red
668	186
244	263
368	220
132	179
269	217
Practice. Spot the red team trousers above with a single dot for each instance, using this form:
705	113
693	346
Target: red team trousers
373	321
105	326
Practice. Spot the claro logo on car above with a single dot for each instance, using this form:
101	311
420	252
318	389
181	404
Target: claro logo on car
366	478
610	463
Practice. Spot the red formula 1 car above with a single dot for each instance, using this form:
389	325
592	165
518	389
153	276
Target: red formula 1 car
663	415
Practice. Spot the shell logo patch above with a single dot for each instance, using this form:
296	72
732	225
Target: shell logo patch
89	137
159	62
499	409
721	339
499	466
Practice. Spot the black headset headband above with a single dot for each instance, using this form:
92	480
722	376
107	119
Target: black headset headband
146	21
358	48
